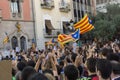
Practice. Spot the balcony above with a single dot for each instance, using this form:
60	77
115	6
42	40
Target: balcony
54	33
64	7
47	4
0	15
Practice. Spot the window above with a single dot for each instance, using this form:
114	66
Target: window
82	13
23	43
14	42
62	2
85	2
74	5
65	27
15	7
89	3
79	13
49	27
81	1
78	1
75	13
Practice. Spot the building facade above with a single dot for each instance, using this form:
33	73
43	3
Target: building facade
16	22
81	7
52	17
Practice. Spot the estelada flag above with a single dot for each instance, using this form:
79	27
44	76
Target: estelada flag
85	24
51	42
63	38
76	34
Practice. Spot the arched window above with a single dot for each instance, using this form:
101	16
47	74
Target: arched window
14	41
23	43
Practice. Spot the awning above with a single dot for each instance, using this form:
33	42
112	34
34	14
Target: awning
65	25
49	25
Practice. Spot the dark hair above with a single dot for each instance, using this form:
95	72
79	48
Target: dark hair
21	66
27	72
73	57
71	72
106	51
68	59
38	76
80	68
91	63
105	68
61	63
116	67
113	56
31	63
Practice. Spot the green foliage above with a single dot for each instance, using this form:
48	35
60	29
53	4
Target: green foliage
106	24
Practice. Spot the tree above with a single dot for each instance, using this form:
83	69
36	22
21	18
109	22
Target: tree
107	25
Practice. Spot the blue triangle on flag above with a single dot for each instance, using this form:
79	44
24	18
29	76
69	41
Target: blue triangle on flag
90	21
76	34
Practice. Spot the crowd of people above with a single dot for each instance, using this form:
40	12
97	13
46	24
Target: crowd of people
91	61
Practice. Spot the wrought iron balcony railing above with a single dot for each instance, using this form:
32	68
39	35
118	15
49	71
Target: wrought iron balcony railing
48	4
64	7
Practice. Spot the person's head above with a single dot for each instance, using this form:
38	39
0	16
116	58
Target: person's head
38	76
31	63
104	68
116	67
73	57
27	72
113	56
106	51
90	64
117	47
71	72
21	66
61	63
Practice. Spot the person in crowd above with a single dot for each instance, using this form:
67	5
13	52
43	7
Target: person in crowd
20	67
71	72
38	76
27	72
113	56
116	70
88	62
31	63
91	66
104	69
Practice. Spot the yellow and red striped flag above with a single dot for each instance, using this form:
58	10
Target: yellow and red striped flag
85	25
63	38
51	42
